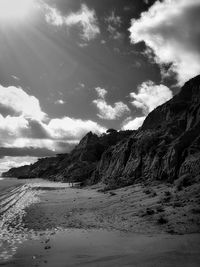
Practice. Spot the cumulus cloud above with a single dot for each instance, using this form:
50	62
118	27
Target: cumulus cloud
101	92
53	16
11	128
70	128
133	124
17	100
106	111
27	131
150	96
171	29
85	18
22	132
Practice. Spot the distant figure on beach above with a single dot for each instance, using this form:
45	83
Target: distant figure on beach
71	184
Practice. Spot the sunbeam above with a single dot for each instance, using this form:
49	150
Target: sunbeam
15	10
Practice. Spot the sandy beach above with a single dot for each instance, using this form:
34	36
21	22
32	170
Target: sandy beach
54	225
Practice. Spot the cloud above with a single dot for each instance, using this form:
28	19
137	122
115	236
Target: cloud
85	18
12	128
28	128
17	100
22	132
82	85
114	33
59	102
35	130
133	124
114	23
70	128
53	16
25	152
150	96
114	19
101	92
106	111
171	29
11	162
103	42
15	78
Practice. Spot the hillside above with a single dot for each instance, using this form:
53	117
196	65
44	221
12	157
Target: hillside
165	148
76	166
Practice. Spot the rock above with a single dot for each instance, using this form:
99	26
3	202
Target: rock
76	166
184	181
165	148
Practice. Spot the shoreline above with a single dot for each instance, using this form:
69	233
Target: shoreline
130	211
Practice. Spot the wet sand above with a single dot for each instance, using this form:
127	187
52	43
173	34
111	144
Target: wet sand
108	249
84	227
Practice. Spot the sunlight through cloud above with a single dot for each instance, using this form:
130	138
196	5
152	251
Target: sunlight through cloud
12	9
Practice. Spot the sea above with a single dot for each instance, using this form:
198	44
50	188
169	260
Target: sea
15	196
7	184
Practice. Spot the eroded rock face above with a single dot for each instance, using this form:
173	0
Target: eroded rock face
77	166
166	147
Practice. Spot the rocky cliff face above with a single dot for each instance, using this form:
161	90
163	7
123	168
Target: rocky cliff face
76	166
166	147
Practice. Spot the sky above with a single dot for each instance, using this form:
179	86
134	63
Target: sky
68	67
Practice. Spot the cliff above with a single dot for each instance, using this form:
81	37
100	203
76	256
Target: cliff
76	166
165	148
